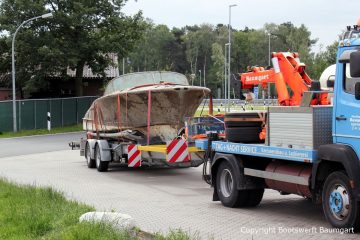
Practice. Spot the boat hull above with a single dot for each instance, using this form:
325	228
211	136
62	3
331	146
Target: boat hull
164	113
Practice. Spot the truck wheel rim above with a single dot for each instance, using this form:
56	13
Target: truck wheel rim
226	183
339	202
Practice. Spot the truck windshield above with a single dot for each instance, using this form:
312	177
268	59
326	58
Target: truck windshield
349	82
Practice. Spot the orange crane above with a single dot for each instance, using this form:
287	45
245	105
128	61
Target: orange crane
287	71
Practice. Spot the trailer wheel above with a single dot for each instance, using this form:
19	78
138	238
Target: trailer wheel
254	197
339	204
89	161
102	166
226	187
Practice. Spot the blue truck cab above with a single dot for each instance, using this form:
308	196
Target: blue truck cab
346	114
312	151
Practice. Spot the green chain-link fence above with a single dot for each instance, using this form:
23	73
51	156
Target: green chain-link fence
32	114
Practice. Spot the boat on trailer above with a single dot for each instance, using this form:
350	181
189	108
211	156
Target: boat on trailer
144	107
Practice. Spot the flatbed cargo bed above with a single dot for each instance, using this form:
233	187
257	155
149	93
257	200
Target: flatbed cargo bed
260	150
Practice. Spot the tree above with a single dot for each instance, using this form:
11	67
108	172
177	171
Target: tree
155	50
217	70
288	38
249	48
178	51
324	59
330	53
81	33
187	50
199	43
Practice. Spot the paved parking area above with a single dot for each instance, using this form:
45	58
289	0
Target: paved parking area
163	199
37	144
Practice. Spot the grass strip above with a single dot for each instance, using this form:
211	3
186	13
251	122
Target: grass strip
73	128
30	212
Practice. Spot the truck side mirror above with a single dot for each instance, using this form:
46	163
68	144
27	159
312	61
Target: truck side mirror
355	64
357	91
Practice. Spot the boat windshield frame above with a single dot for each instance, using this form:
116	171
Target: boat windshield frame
133	80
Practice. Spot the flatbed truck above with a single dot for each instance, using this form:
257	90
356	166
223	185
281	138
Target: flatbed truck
312	151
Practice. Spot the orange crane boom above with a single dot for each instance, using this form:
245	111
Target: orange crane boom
287	71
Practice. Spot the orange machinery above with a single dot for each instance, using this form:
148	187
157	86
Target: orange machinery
287	71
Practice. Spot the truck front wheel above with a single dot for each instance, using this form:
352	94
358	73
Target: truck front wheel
226	187
339	204
101	166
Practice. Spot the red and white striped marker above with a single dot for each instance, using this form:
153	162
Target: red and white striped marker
134	156
177	151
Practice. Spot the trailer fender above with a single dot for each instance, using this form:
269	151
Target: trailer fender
105	150
91	143
338	154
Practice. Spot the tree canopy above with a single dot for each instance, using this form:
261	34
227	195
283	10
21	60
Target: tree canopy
201	48
80	32
84	31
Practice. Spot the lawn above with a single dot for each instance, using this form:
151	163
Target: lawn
204	110
29	212
73	128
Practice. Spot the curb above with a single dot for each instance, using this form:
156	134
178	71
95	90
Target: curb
118	220
40	135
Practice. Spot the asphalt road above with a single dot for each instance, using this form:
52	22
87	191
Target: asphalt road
160	199
37	144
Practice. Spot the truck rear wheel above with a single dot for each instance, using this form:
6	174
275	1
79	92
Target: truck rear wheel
101	166
226	187
89	161
229	195
255	197
339	204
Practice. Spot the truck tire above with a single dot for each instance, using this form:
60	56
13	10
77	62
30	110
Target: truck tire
226	187
339	204
254	197
89	161
240	120
243	134
101	166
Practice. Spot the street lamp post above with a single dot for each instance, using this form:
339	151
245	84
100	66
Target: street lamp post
225	70
204	77
200	77
47	15
229	56
269	34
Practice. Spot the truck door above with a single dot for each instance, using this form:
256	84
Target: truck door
346	121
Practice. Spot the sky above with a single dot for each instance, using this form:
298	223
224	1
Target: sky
324	18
